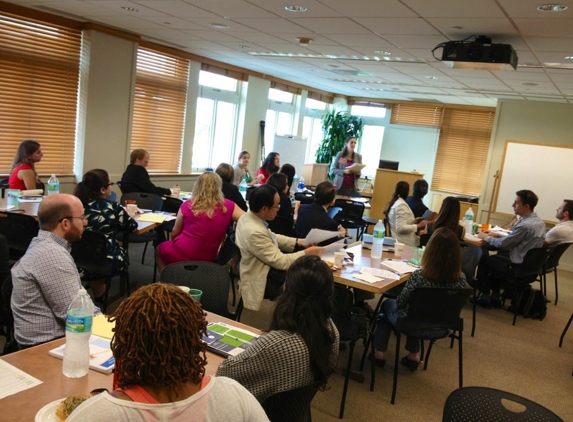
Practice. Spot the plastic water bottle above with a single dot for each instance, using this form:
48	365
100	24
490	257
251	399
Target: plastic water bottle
53	185
377	240
78	331
469	220
300	184
243	189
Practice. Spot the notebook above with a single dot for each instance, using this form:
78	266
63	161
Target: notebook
228	340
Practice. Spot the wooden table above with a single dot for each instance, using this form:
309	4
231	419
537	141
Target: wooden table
35	361
362	259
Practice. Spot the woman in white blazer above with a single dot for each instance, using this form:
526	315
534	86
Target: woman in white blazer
401	218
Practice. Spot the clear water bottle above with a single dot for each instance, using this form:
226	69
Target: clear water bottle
243	189
469	220
53	185
78	331
300	184
377	240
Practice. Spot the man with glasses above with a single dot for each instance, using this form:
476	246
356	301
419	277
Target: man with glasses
46	279
265	256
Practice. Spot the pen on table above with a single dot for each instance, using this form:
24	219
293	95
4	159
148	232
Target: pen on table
413	265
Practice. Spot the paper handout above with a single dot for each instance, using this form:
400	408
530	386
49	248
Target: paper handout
318	235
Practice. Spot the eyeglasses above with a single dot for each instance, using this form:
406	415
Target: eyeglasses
110	184
83	217
278	207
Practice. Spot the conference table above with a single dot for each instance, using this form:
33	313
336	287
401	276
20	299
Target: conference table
36	362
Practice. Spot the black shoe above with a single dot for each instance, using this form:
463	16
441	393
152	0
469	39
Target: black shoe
366	308
412	365
484	303
380	363
495	303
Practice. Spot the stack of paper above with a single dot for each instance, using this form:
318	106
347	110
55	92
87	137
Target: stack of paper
372	275
400	267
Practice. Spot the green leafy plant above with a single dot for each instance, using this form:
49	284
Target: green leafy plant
336	127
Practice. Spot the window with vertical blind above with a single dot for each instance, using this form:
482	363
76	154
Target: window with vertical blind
159	108
39	79
462	151
416	115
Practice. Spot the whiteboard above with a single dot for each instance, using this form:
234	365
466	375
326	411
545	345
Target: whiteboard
292	150
540	168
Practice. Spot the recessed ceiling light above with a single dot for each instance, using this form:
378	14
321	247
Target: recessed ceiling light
568	57
129	9
457	27
552	8
294	8
431	77
219	26
529	84
244	47
385	53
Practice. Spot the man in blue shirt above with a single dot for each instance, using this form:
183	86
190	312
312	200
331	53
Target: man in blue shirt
527	234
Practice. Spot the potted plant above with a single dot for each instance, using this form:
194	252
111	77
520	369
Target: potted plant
336	127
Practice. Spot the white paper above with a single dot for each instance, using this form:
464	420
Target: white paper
380	273
501	232
356	167
318	235
13	380
399	267
367	277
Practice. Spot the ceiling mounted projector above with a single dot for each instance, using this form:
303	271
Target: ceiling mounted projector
480	54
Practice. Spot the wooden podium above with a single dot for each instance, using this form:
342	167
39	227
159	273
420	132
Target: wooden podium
384	185
315	173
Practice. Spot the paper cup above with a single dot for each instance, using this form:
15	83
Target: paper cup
132	210
398	249
184	288
176	190
196	294
129	201
13	198
339	258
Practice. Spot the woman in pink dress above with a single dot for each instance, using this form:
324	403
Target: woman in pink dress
201	224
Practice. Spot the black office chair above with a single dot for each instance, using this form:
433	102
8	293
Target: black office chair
351	325
434	313
350	217
477	404
565	331
291	405
471	254
90	254
171	205
304	197
388	228
283	225
8	319
551	265
212	279
229	251
19	230
523	274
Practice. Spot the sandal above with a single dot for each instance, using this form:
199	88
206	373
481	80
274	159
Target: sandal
412	365
380	363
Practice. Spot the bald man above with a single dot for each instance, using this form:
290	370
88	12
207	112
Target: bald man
46	279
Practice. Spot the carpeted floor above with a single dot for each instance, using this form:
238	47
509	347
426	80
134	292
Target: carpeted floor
524	359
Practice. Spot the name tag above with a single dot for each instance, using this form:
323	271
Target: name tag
342	160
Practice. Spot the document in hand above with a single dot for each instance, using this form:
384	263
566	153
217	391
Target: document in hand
356	167
319	235
501	232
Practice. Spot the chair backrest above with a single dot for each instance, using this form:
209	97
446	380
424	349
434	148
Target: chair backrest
4	183
171	205
291	405
227	251
120	184
350	321
282	225
436	307
388	228
4	258
553	260
148	201
213	279
352	210
5	306
476	404
533	262
471	254
90	253
19	229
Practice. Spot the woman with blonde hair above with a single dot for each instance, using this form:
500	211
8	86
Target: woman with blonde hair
201	224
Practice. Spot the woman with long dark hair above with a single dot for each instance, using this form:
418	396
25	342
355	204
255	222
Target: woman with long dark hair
23	174
107	217
302	342
270	166
441	266
284	220
448	217
401	218
345	178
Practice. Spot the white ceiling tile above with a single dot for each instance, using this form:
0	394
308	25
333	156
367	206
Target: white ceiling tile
397	26
276	7
176	8
490	27
455	8
545	27
528	9
273	26
369	8
415	41
330	25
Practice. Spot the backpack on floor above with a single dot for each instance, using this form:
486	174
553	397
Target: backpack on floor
534	304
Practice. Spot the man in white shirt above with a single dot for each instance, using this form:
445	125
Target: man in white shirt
562	232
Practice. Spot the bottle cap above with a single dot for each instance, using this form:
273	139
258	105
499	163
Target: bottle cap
82	291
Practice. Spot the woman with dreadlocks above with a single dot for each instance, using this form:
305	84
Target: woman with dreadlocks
160	366
302	343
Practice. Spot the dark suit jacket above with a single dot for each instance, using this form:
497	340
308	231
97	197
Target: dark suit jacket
284	222
231	192
136	179
416	205
313	216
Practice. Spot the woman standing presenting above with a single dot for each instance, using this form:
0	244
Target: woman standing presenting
242	172
441	267
23	174
402	222
345	178
270	166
